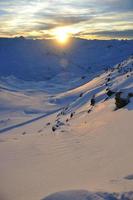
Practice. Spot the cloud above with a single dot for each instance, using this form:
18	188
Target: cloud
3	12
115	34
25	16
110	34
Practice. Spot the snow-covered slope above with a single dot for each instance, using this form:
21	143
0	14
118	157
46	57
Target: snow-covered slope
68	137
21	101
84	195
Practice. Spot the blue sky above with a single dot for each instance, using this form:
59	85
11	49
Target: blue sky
83	18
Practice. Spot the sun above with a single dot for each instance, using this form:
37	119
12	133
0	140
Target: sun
62	35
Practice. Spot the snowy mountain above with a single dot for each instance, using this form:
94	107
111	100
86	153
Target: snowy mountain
42	59
71	131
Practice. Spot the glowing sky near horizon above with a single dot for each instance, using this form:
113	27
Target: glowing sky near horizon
83	18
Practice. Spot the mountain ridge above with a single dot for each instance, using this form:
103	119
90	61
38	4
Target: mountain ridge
41	59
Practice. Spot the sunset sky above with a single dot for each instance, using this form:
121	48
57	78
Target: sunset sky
81	18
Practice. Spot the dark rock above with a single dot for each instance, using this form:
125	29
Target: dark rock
81	95
120	102
89	110
110	93
71	115
83	77
53	129
130	95
108	79
93	101
48	124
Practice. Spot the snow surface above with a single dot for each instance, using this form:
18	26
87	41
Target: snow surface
91	147
84	195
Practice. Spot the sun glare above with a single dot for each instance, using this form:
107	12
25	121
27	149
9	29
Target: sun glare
62	35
